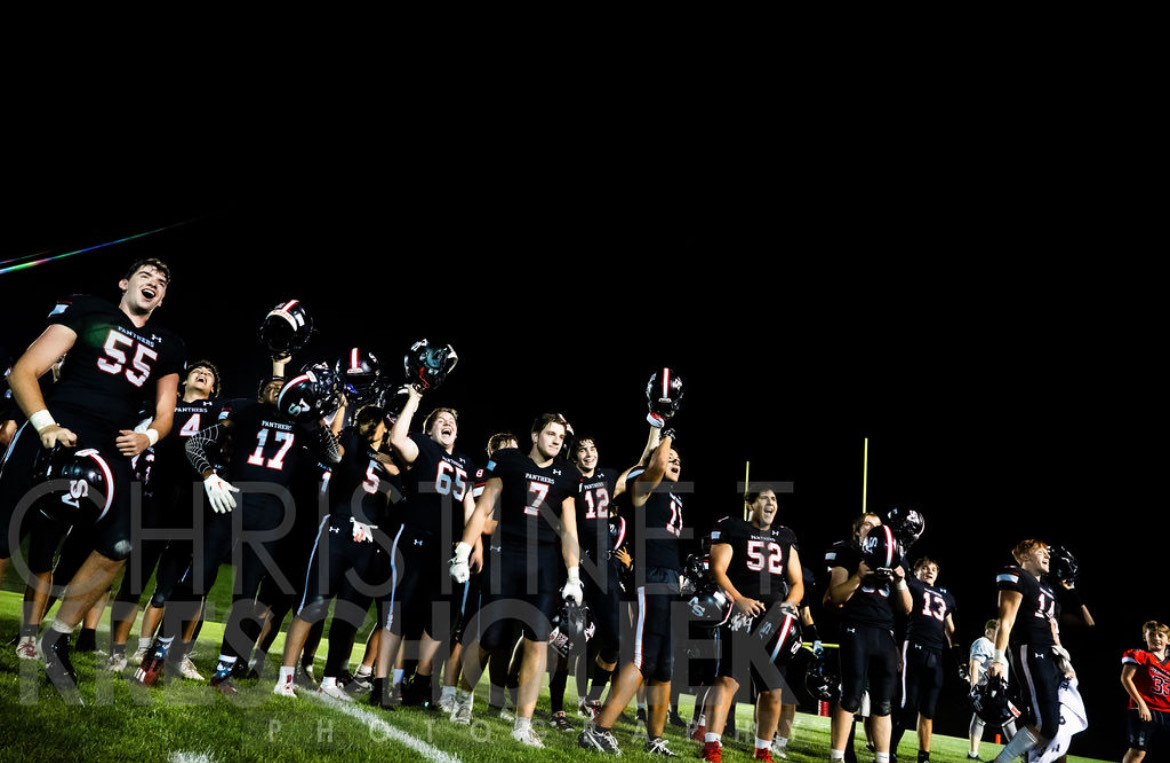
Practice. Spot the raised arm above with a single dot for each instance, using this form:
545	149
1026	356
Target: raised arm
47	349
400	441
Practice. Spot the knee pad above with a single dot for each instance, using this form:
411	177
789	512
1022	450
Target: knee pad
610	655
314	610
119	552
851	704
158	599
883	708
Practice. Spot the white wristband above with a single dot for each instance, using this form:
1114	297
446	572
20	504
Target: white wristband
152	435
901	585
41	419
998	656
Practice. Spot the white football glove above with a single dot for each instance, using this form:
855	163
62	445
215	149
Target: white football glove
219	493
572	589
460	569
362	533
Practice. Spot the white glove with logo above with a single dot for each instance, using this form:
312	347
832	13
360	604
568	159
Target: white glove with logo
362	533
572	589
219	493
460	569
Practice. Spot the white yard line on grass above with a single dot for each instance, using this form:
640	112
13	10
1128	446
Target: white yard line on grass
379	726
192	757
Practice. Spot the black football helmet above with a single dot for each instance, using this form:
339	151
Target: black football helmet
310	395
358	372
73	486
780	631
427	366
571	628
286	328
696	574
879	549
710	606
907	525
991	702
1063	564
664	393
821	683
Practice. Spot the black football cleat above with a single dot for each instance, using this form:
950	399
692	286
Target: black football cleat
58	666
224	685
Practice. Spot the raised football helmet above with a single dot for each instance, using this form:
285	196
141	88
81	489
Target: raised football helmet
73	486
1063	564
710	606
664	393
358	372
427	366
310	395
696	574
286	328
571	628
907	525
991	702
879	549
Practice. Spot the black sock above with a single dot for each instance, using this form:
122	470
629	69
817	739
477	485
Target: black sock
556	690
923	756
601	677
87	640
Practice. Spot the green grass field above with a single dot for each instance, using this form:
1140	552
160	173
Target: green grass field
187	721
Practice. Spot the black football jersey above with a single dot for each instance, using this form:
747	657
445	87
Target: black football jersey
594	506
359	485
110	372
657	526
1039	610
437	481
870	603
528	492
266	446
170	457
759	558
929	607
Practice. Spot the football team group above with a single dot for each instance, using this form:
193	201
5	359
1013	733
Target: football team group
333	497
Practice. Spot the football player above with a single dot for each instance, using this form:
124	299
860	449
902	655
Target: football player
1145	674
437	484
538	548
360	490
658	519
929	627
982	650
870	587
167	501
115	360
1028	613
757	565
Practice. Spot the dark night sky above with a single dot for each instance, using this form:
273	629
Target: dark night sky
1005	394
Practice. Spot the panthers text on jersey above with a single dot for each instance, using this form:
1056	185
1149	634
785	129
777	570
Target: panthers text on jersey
759	558
929	607
1039	609
109	373
528	491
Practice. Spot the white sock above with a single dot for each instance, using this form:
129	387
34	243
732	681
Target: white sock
1023	741
763	744
286	674
521	724
701	720
448	691
328	682
397	676
712	737
364	671
61	627
836	755
144	643
881	757
780	742
641	705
